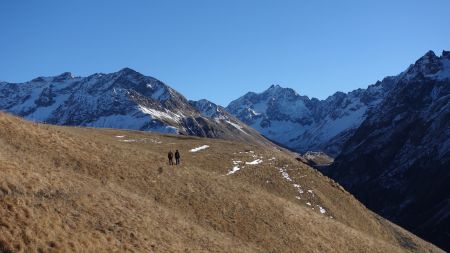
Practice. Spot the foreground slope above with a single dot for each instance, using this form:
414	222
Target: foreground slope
69	189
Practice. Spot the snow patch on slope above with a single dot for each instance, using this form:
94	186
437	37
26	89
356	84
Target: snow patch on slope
255	162
199	148
160	114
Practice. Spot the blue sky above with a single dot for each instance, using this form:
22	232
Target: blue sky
221	49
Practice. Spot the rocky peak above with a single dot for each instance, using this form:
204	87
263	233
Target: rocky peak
206	103
429	64
429	58
130	79
430	54
275	92
125	72
63	77
207	108
275	87
38	79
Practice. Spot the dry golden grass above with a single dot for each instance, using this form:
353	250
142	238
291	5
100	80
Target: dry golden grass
65	189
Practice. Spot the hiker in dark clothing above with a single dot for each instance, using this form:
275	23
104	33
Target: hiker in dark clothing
170	156
177	157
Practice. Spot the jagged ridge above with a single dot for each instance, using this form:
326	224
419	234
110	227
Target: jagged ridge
125	99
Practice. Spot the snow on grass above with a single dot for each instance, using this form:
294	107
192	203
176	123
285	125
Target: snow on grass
129	140
144	140
120	136
285	174
298	187
257	161
233	170
247	152
236	163
271	159
199	148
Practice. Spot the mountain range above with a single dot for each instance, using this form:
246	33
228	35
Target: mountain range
398	160
303	124
390	141
126	100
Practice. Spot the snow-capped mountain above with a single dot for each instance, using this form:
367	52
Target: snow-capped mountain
305	124
125	99
221	116
392	140
398	161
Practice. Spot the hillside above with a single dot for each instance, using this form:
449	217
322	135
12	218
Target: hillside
67	189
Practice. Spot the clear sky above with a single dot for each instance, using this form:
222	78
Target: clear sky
219	50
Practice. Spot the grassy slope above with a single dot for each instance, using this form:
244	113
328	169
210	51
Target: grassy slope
85	190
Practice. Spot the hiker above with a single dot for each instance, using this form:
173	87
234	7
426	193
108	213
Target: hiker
177	157
170	156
